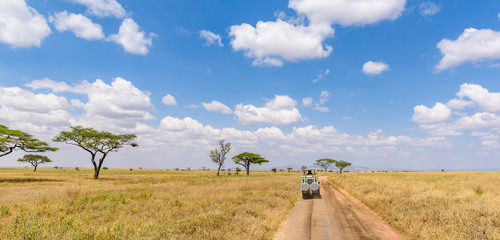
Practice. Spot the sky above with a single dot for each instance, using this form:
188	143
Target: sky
379	83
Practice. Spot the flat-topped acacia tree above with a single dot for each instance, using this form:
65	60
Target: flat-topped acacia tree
11	140
34	160
246	158
98	143
325	163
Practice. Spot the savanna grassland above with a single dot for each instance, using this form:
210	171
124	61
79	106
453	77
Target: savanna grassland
143	204
430	205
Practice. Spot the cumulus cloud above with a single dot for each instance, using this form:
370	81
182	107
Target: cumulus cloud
438	113
119	104
169	100
278	111
269	43
80	25
471	46
33	112
428	9
486	100
21	25
321	76
480	101
211	38
215	106
348	12
132	39
103	8
307	101
374	68
50	84
324	96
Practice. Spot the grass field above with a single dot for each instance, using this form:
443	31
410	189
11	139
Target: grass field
143	204
444	205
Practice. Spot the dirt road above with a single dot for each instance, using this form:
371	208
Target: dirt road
334	215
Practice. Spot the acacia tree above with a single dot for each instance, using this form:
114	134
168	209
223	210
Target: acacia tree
34	160
245	159
289	169
325	163
11	140
219	156
342	164
274	170
98	143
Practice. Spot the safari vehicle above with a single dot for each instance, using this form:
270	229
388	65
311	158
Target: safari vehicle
310	183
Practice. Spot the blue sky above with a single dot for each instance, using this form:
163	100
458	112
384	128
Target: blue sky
393	83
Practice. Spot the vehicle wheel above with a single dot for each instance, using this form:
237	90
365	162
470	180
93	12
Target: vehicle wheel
304	196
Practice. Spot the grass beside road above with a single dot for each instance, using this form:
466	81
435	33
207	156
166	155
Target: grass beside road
143	204
428	205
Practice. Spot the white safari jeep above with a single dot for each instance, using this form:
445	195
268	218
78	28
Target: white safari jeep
310	183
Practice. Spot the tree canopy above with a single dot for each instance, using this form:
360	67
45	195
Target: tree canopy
342	164
325	163
34	160
219	156
11	140
96	143
245	159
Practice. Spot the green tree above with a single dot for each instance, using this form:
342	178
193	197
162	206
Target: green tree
11	140
34	160
98	143
219	156
245	159
274	170
238	170
325	163
289	169
303	167
342	164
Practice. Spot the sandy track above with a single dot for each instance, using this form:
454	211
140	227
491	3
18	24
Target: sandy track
334	215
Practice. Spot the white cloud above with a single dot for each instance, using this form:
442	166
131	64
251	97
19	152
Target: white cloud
348	12
132	39
471	46
374	68
32	112
269	43
459	104
103	8
50	84
119	105
279	111
172	124
324	96
488	101
169	100
438	113
211	38
307	101
428	9
498	15
21	25
192	106
82	26
215	106
321	108
321	76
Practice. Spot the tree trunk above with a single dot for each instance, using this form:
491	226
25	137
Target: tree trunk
96	173
247	166
340	170
218	170
34	170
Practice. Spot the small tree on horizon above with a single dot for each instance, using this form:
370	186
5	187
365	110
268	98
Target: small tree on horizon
219	156
34	160
238	170
274	170
289	169
341	165
95	142
303	167
245	159
325	163
11	140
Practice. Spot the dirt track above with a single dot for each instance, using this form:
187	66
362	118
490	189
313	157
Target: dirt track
334	215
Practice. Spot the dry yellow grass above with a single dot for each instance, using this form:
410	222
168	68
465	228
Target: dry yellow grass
431	205
143	204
